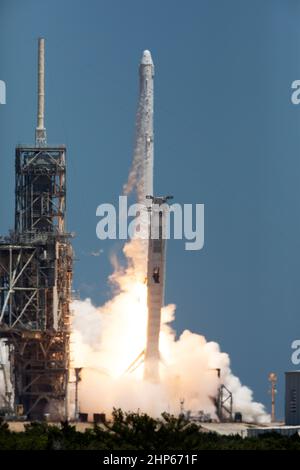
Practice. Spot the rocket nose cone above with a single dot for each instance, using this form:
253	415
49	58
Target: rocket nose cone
146	58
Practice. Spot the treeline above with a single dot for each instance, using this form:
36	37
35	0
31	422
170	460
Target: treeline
134	431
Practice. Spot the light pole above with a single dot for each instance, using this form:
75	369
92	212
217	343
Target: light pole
273	391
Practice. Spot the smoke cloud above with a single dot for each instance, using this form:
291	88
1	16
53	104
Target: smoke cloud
106	340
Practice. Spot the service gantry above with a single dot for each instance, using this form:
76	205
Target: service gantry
36	264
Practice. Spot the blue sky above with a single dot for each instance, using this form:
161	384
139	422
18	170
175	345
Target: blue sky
226	135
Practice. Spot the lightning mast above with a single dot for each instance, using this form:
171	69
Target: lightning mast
40	132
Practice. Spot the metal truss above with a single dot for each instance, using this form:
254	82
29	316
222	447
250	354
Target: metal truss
36	264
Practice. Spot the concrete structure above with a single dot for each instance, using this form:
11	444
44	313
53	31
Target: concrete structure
292	398
36	274
287	431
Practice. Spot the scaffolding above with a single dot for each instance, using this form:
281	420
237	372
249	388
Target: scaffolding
224	404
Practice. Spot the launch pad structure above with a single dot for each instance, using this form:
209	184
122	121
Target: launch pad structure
36	265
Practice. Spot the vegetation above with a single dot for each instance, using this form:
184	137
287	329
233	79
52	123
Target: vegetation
134	431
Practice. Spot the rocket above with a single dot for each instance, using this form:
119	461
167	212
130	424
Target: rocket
154	219
157	208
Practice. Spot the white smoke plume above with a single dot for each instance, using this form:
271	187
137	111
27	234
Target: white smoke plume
106	340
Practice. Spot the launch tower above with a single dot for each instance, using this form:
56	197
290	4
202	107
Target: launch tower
36	266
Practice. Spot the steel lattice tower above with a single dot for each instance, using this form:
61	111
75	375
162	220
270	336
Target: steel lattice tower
36	264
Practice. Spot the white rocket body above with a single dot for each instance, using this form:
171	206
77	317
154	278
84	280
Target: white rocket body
155	245
155	286
145	137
